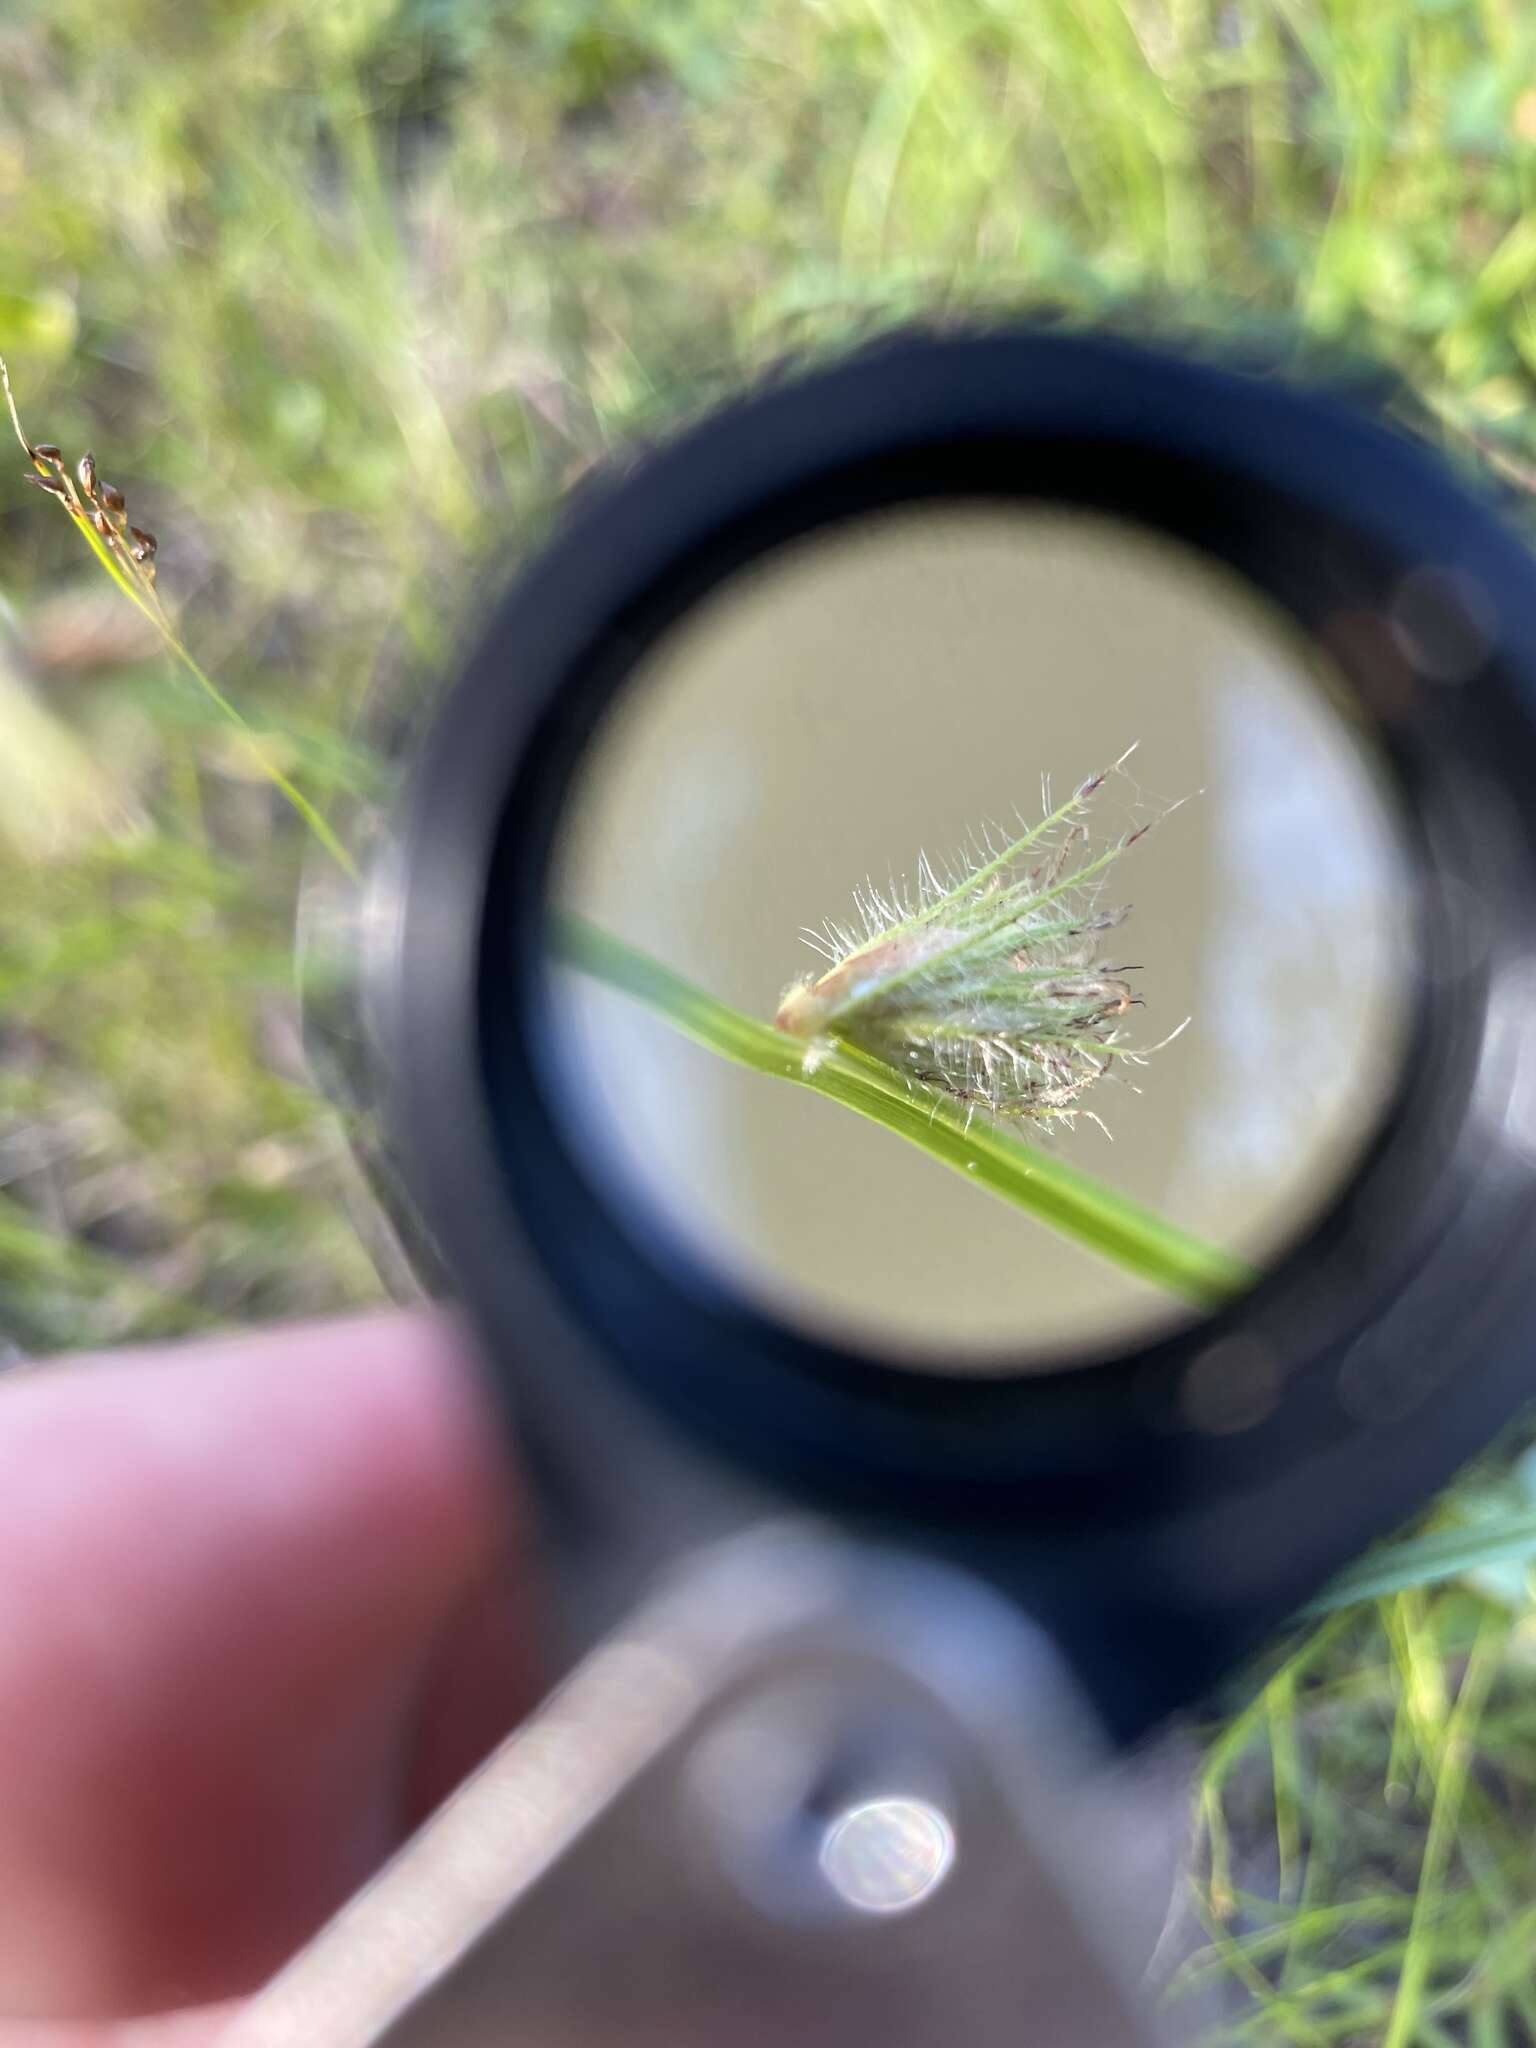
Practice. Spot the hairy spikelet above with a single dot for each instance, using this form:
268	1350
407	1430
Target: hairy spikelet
983	980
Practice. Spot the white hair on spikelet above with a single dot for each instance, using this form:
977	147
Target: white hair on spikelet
982	980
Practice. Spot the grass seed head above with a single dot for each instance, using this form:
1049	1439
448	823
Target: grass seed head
984	982
98	508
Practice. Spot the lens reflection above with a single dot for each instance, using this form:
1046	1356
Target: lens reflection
888	1855
879	713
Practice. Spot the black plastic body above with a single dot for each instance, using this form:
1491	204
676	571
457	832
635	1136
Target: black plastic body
1157	1545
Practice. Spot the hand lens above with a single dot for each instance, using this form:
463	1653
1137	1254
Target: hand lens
1144	743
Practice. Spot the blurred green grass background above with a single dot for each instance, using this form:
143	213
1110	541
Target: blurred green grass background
341	297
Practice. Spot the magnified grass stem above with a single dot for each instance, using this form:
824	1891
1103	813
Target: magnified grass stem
1063	1197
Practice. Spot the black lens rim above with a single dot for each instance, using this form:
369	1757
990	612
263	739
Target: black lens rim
1320	508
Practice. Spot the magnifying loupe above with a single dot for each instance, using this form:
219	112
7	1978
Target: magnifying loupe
1131	751
959	964
1066	827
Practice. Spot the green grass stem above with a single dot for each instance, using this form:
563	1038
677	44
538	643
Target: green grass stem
1063	1197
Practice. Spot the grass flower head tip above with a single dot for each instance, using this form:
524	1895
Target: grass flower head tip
98	508
99	511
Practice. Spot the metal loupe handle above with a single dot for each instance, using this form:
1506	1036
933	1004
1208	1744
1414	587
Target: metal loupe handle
807	1795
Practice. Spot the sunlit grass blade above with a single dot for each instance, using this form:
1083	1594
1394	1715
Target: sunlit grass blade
1426	1560
1451	1767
